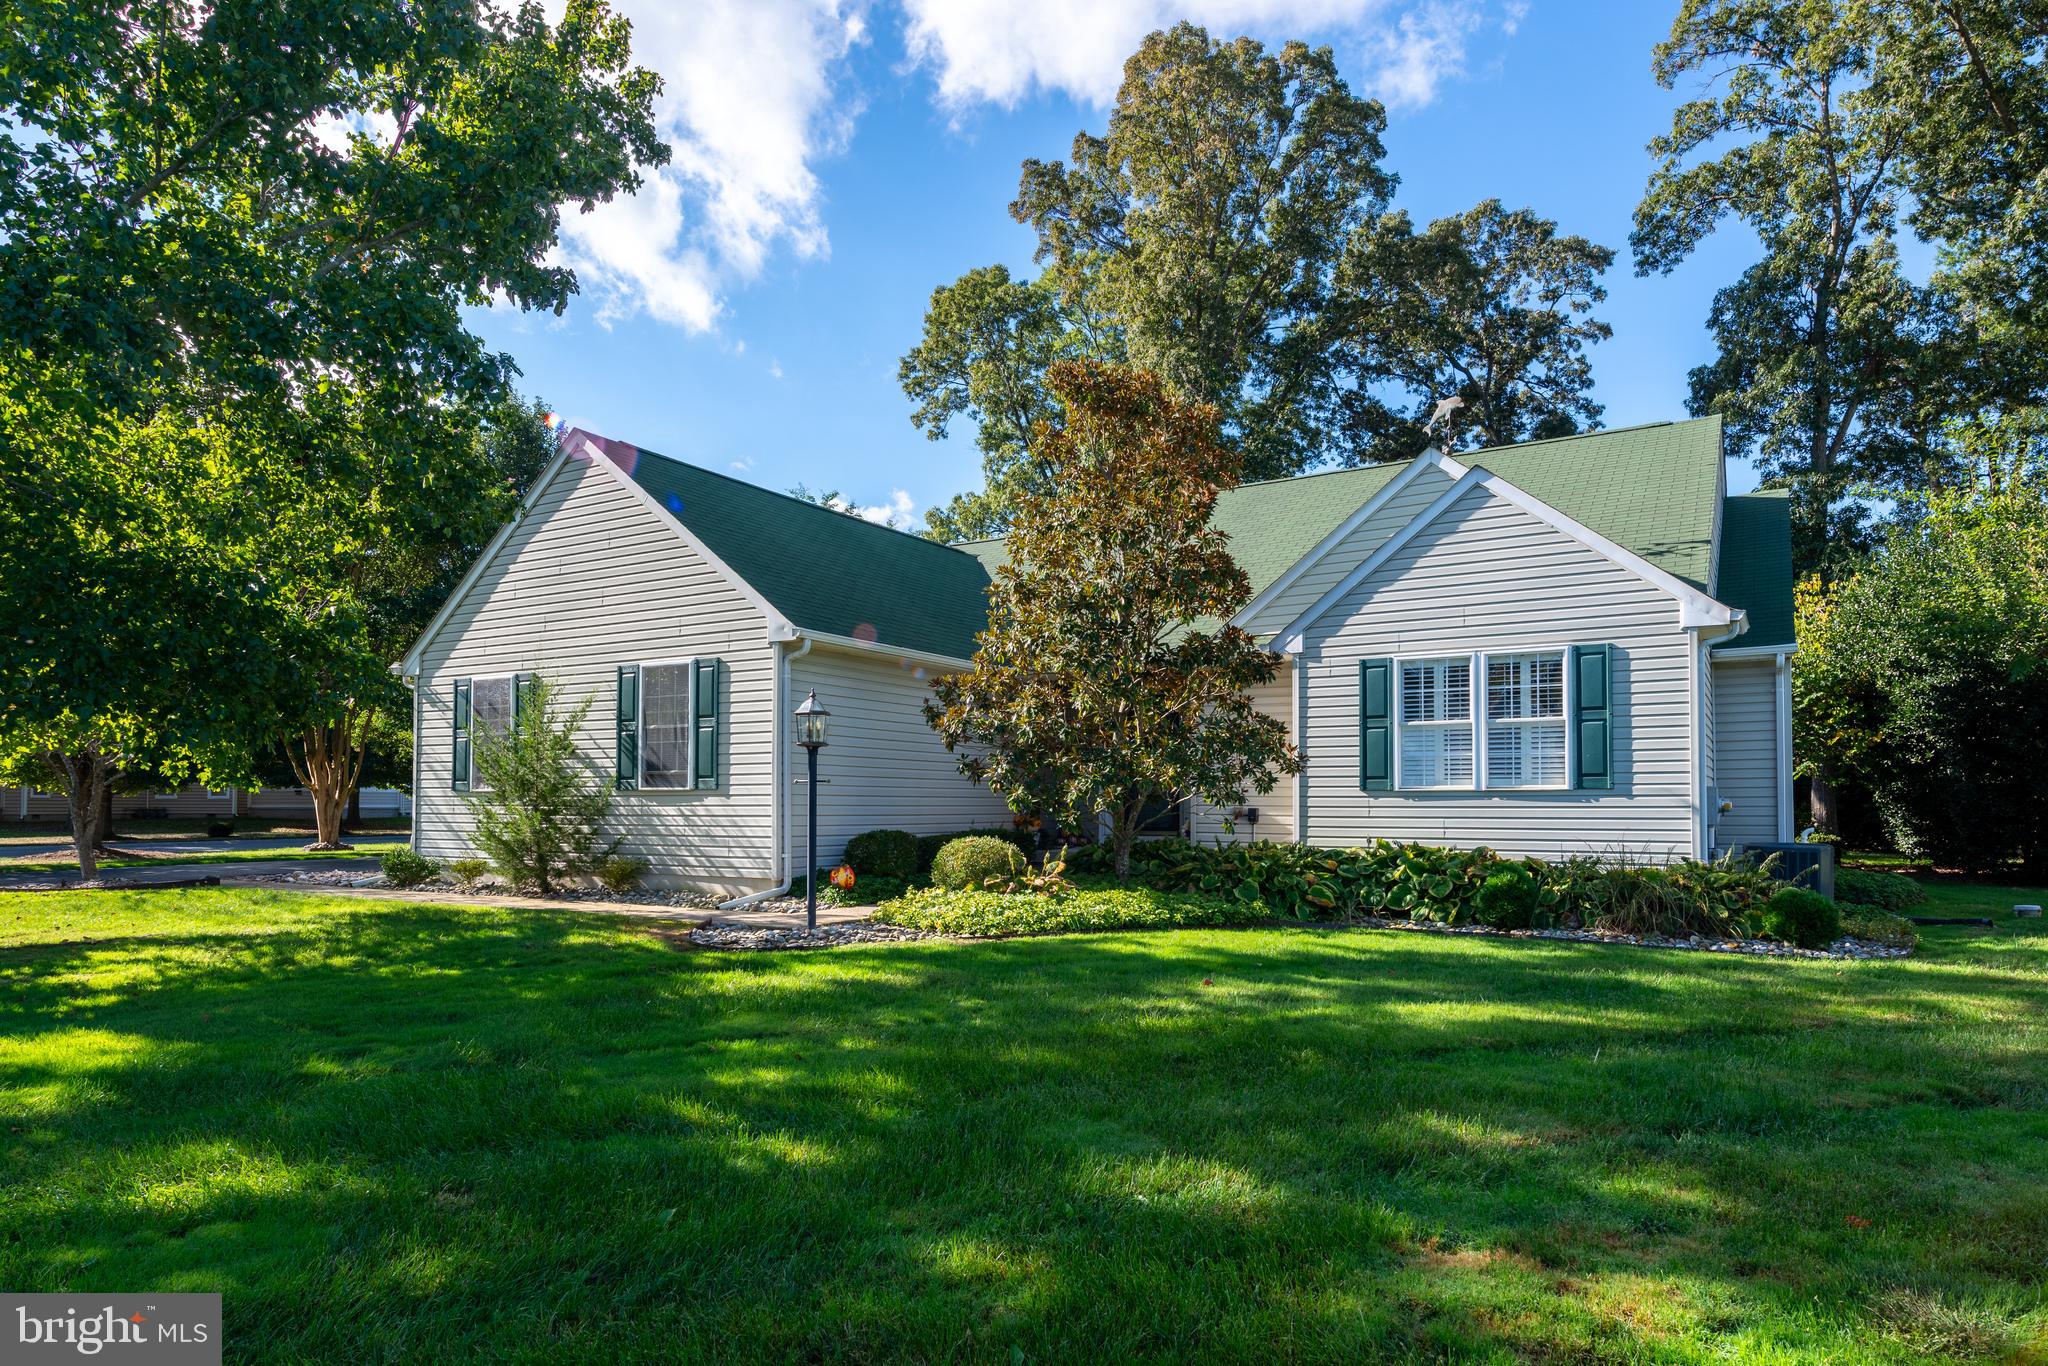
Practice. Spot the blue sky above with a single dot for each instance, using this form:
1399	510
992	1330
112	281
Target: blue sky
836	161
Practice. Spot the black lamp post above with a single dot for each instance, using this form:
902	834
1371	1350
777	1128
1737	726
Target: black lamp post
810	733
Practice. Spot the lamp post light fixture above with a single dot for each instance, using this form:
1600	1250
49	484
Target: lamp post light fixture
810	733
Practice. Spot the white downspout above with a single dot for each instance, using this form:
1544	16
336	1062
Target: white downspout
780	690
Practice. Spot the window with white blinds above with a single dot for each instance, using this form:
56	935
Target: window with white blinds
493	707
1525	720
665	725
1436	723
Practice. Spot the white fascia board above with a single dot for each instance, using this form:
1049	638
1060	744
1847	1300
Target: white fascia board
779	627
408	665
1755	652
873	647
1695	609
1428	460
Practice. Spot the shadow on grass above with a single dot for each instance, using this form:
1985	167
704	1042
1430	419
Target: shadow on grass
459	1133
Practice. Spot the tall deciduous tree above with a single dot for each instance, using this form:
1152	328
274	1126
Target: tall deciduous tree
1490	307
1198	237
228	232
1795	144
1103	682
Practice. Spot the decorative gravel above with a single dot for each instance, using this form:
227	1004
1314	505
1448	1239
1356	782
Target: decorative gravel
824	937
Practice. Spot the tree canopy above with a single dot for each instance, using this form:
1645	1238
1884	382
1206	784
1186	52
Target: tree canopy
1105	680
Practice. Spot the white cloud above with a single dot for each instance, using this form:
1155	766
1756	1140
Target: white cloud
1001	51
775	369
899	512
752	99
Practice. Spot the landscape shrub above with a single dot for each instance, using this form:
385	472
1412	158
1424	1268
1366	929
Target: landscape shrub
467	870
1798	916
1512	898
1878	927
866	891
621	874
972	860
220	830
883	853
543	799
928	846
971	912
404	868
1688	899
1883	891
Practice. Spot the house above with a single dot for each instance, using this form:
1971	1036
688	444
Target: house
1567	646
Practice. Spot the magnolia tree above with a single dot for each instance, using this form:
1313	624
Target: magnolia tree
1103	683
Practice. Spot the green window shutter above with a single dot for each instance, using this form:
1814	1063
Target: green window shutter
522	695
459	777
1593	715
1376	725
628	766
704	717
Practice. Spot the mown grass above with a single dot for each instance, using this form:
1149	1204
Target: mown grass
393	1132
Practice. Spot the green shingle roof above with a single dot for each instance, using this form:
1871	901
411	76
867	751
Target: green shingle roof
1756	565
1652	489
823	570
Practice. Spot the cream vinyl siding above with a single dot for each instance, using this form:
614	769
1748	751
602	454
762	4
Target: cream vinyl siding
1746	750
591	579
1320	577
882	767
22	803
1276	808
1488	576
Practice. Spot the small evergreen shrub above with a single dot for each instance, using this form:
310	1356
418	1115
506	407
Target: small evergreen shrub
538	817
1797	916
220	830
865	891
981	913
1879	927
404	868
928	846
468	870
1881	891
1509	899
973	859
883	853
621	874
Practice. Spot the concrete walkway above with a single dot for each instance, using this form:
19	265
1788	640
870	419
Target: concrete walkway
778	918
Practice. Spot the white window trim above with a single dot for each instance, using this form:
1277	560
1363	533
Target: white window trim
1477	718
689	667
476	782
1565	672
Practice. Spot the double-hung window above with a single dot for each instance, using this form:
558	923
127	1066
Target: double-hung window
492	706
665	725
1436	722
1525	720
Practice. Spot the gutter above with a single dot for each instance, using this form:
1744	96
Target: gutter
781	860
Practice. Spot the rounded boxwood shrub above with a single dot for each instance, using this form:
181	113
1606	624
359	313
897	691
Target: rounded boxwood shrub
883	853
404	868
1798	916
973	859
1507	899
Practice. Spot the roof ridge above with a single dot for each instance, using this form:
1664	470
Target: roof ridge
787	497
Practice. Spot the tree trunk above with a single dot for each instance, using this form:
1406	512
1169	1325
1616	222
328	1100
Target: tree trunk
328	765
1820	801
87	776
1122	832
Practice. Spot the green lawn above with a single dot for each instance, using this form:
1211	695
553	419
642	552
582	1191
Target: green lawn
432	1133
70	866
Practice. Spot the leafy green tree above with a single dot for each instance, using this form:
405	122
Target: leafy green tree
1103	682
1489	307
1793	144
538	817
988	340
235	242
1925	675
1198	237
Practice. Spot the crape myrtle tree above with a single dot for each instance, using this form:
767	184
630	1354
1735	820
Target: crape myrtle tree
1197	237
228	233
1103	682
